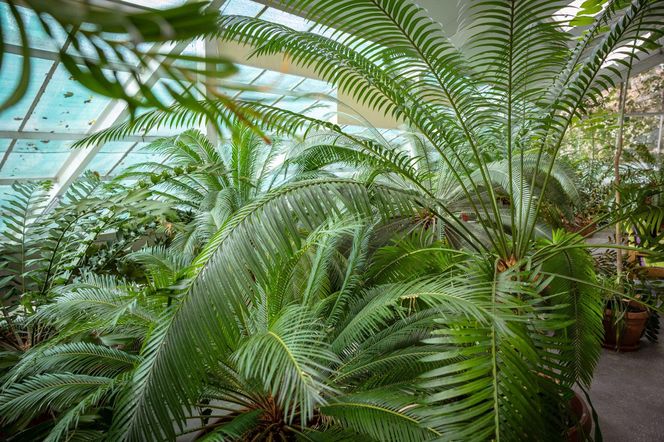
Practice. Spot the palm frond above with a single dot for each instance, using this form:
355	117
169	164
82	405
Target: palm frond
76	357
381	416
48	391
291	361
252	242
582	302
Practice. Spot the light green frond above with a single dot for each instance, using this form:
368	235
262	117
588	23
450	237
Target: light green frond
291	361
102	301
384	417
582	303
214	312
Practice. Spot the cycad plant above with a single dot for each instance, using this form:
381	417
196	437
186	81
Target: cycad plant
207	183
411	158
291	374
258	340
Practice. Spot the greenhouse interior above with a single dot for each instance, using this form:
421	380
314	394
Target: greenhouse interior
331	220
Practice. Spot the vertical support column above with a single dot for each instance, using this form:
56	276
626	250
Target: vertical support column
211	50
660	135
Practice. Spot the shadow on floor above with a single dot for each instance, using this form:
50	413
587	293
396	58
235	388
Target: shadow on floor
628	394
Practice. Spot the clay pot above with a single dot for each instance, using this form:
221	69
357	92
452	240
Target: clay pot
582	226
633	325
581	431
653	272
587	228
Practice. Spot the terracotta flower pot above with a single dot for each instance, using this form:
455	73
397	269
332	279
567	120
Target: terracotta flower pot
632	326
581	431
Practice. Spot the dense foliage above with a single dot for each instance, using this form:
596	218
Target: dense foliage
330	285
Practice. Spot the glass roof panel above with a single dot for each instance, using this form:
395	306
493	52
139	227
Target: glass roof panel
36	159
286	19
138	156
38	38
66	106
309	107
242	7
4	144
103	162
116	147
313	86
11	118
278	80
245	74
264	96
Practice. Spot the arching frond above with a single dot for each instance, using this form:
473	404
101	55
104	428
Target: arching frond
214	311
76	357
381	416
48	391
290	361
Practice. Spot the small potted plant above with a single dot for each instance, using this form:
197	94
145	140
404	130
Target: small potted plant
624	322
630	305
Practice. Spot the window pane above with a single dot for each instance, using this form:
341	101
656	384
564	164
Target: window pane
242	7
36	159
66	106
286	19
10	119
646	91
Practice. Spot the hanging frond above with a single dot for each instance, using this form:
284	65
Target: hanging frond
575	289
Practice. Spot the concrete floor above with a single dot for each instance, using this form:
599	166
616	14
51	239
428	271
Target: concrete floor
628	388
628	394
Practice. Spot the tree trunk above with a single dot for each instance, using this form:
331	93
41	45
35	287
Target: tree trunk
624	86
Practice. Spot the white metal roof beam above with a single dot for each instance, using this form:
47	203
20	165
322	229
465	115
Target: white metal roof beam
45	54
63	136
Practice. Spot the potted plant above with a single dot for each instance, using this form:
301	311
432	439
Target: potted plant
624	324
629	303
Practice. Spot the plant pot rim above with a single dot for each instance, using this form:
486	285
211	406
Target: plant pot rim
643	314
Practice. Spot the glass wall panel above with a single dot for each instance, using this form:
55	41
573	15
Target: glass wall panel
642	132
646	91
